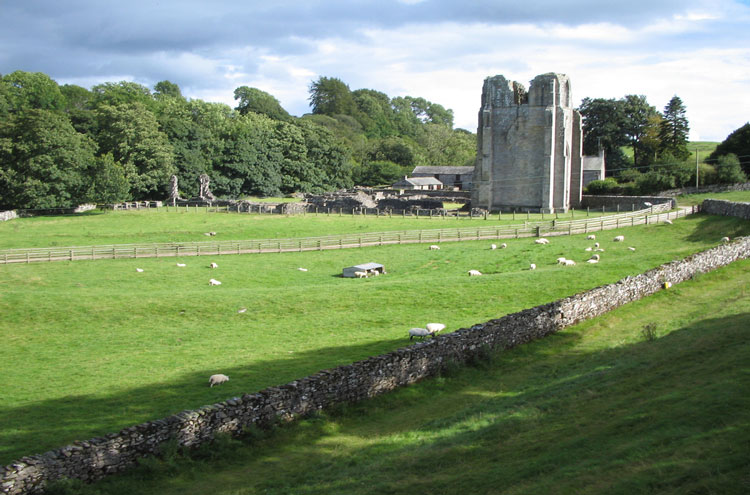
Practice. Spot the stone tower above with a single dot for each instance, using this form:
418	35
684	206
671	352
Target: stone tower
528	146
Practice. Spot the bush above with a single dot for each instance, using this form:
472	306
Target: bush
729	170
604	187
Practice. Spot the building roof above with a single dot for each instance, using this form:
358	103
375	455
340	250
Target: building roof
420	181
428	169
367	266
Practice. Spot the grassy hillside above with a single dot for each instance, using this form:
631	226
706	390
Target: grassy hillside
601	407
92	347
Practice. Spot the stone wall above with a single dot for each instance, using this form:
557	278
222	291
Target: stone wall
626	203
726	208
95	458
741	186
7	215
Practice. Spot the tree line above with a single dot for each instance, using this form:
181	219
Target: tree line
659	157
62	145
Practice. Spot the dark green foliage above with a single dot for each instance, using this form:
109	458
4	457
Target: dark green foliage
167	89
673	130
27	90
738	142
638	119
377	173
604	187
728	170
255	100
331	96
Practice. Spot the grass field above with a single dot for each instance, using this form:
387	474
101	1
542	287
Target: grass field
597	408
92	346
694	199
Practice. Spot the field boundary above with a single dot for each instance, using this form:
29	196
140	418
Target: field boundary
655	214
98	457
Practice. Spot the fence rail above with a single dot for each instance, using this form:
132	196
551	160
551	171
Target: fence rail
655	214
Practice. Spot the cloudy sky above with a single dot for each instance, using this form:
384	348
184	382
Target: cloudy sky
441	50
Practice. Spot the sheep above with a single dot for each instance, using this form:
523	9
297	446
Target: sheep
591	237
434	247
213	265
725	239
569	263
631	248
596	245
181	264
541	240
207	233
588	249
619	238
668	221
418	332
493	246
474	273
532	266
434	328
217	379
595	257
648	204
360	274
212	233
592	260
242	310
503	246
302	269
214	282
139	270
561	261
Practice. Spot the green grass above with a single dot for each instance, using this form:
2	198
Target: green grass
92	346
169	225
694	199
594	409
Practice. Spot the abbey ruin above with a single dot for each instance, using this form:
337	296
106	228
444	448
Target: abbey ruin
529	146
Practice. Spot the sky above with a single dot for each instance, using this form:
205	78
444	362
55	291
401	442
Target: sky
440	50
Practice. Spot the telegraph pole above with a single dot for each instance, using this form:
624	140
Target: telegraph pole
696	167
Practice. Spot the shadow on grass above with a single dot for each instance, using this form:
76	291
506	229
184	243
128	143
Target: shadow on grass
668	415
711	228
48	424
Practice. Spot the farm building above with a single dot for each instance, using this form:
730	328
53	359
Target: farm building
368	268
593	168
419	183
459	177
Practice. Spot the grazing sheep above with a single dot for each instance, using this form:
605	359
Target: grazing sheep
212	233
214	282
591	237
434	247
725	239
493	246
503	246
601	250
474	273
668	221
592	260
139	270
588	249
541	240
360	274
569	263
647	203
418	332
213	265
532	266
242	310
207	233
217	379
631	248
595	257
619	238
596	245
561	261
302	269
181	264
434	328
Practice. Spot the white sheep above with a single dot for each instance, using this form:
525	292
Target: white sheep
139	270
213	265
725	239
503	246
214	282
561	261
532	266
569	263
474	273
434	247
541	240
647	203
302	269
588	249
631	248
595	257
596	245
418	332
217	379
493	246
591	237
181	264
619	238
207	233
434	328
592	260
668	221
360	274
242	310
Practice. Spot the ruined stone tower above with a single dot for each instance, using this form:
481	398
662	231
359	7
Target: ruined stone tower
528	146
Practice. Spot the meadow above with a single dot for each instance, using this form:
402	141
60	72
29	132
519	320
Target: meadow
93	346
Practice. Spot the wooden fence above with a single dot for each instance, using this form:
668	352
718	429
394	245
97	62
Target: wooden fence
658	213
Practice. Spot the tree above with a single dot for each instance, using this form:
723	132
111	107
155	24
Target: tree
109	184
331	96
738	143
728	170
27	90
122	93
638	118
673	130
167	89
79	106
603	123
255	100
45	162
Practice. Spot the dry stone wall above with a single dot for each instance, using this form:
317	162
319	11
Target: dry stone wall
726	208
625	203
95	458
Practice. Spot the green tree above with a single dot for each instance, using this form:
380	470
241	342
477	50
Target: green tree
728	170
79	106
109	184
674	129
331	96
375	113
603	124
27	90
444	146
167	89
255	100
638	119
130	132
738	143
393	149
378	173
122	93
45	162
